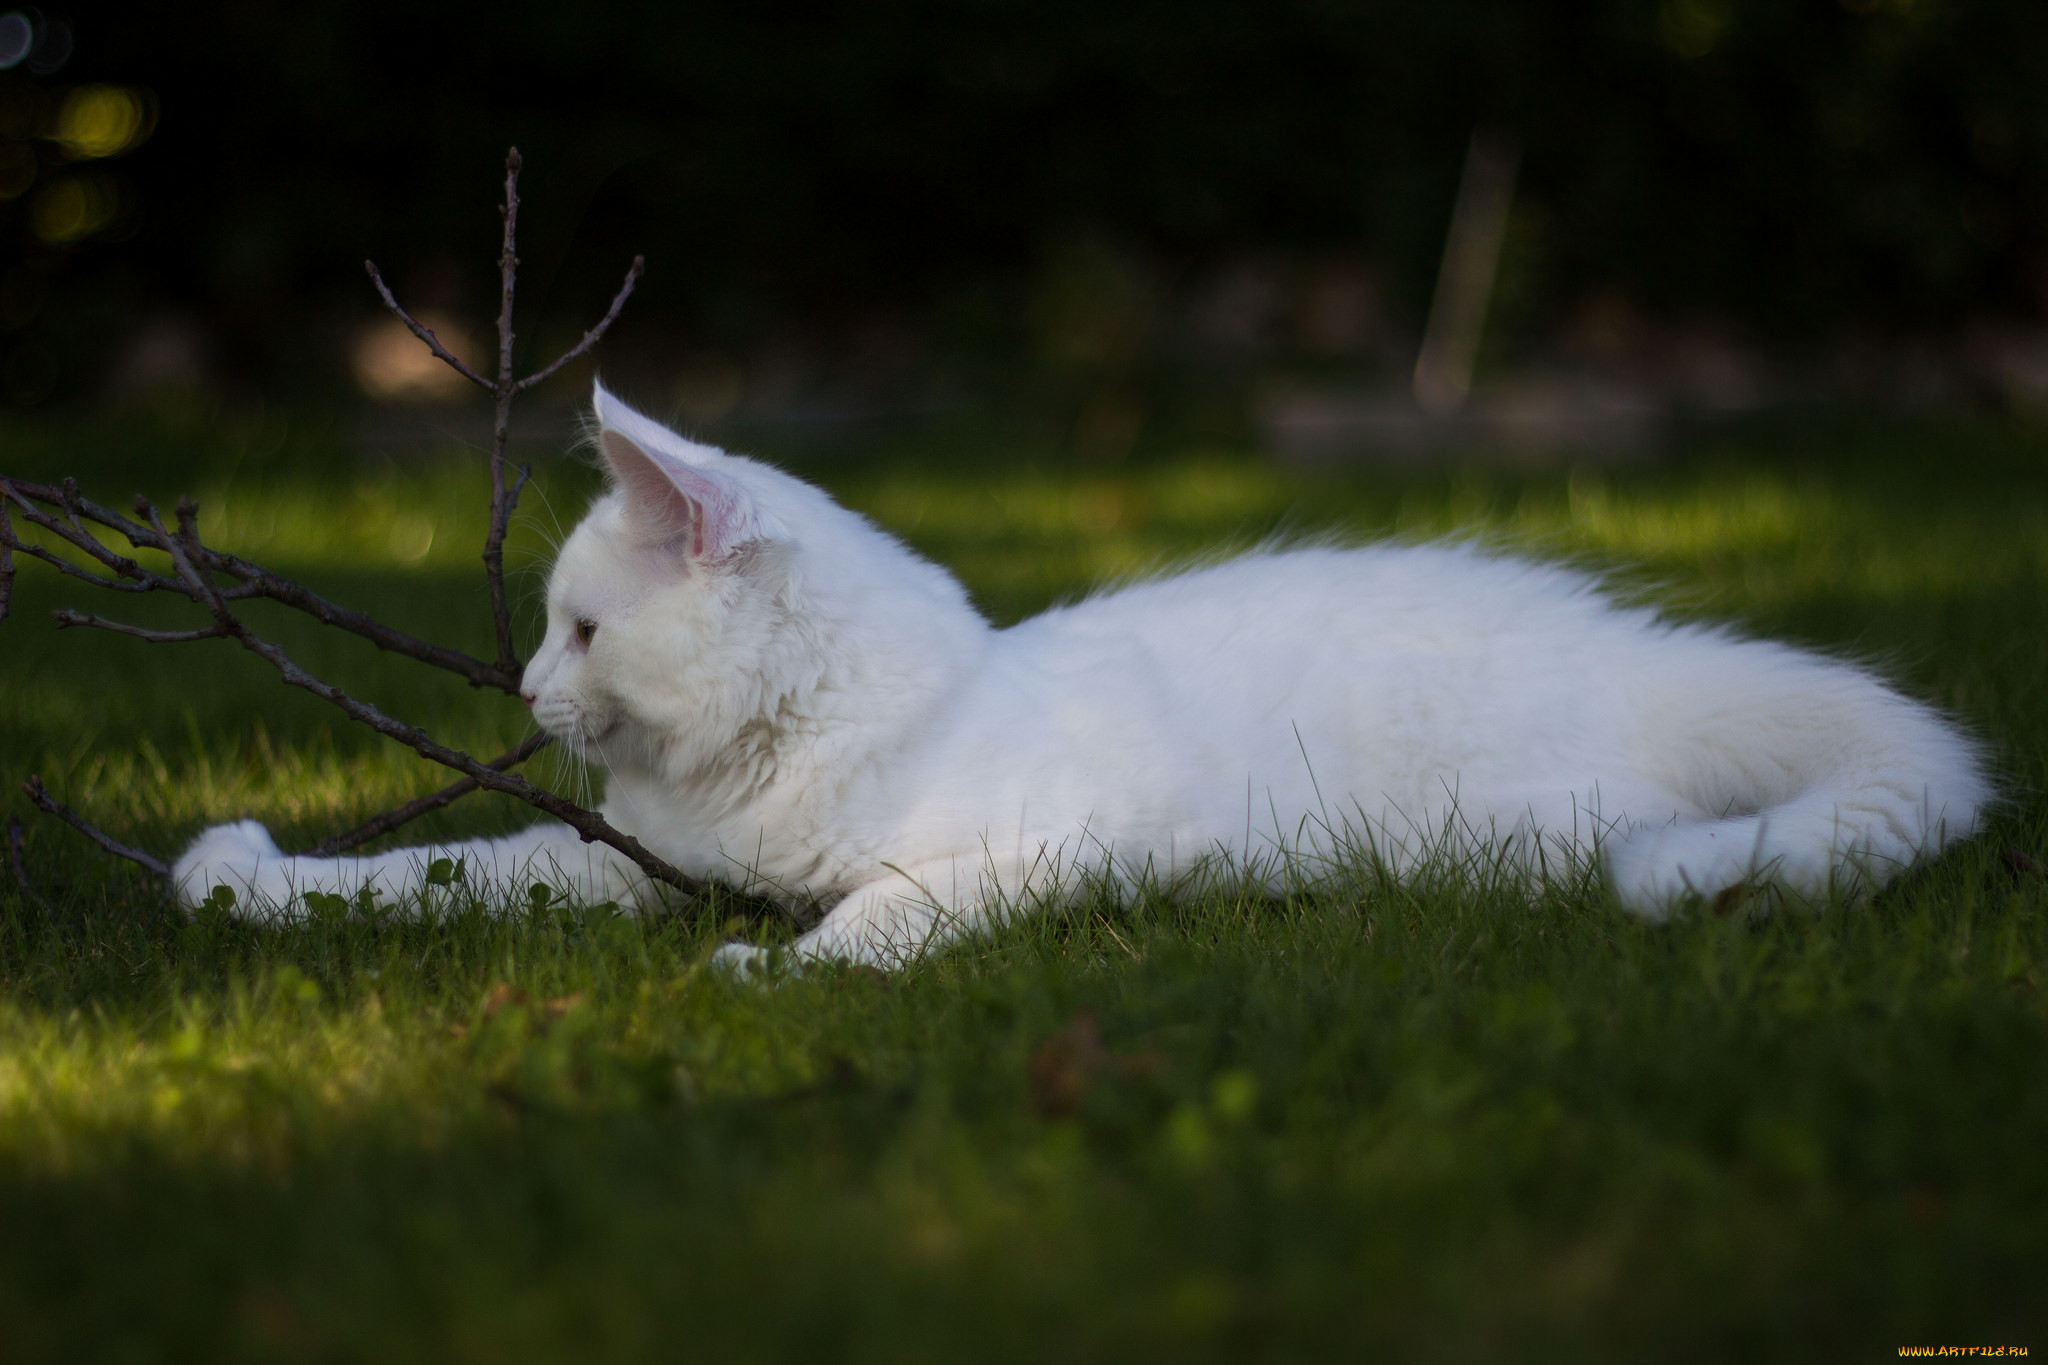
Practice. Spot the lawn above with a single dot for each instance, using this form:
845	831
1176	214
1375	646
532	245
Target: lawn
1367	1120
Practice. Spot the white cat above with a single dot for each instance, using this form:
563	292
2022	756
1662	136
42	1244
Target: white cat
788	699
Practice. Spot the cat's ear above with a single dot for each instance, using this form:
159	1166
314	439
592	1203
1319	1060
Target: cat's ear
672	501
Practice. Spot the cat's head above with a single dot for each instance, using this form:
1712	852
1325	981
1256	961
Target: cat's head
670	606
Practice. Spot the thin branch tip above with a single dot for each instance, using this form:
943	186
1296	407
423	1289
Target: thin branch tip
411	810
425	333
596	333
40	797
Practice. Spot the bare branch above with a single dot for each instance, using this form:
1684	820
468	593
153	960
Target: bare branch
503	500
412	810
7	585
69	530
474	670
255	581
423	332
66	617
43	801
202	586
213	578
595	334
65	566
508	266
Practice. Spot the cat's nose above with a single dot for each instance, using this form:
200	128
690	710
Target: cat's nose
526	697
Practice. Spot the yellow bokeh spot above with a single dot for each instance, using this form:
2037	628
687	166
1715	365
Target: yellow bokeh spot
73	209
1693	28
102	120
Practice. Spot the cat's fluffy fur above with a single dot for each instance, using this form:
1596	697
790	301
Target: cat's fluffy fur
787	698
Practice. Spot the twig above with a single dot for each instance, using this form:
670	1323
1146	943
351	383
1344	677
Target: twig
503	499
595	334
72	533
412	810
67	617
504	496
65	566
6	597
255	580
422	331
43	801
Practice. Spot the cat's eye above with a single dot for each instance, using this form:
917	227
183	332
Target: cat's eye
586	630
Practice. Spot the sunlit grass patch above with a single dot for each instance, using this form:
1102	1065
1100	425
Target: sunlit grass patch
434	516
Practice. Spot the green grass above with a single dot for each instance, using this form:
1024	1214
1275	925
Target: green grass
1365	1121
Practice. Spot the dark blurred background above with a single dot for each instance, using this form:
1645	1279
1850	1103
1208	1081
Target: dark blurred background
897	206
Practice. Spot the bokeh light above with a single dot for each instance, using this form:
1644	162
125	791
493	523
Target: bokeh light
74	208
103	120
392	366
17	37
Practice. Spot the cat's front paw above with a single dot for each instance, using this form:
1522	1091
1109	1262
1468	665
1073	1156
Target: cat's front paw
242	857
745	962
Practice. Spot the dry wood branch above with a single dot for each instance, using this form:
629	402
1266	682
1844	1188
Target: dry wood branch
412	810
43	801
253	580
68	529
65	566
6	570
504	495
422	331
595	334
199	571
503	500
65	617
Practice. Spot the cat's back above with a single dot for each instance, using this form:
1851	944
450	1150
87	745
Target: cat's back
1389	664
1397	596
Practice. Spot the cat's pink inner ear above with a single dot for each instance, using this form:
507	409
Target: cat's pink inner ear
675	502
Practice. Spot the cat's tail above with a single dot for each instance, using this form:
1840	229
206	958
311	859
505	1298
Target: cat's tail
1828	783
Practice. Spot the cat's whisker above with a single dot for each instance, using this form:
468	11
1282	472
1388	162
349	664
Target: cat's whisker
555	535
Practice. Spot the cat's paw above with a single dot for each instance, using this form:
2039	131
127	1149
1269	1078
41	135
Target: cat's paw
746	962
242	857
1657	870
